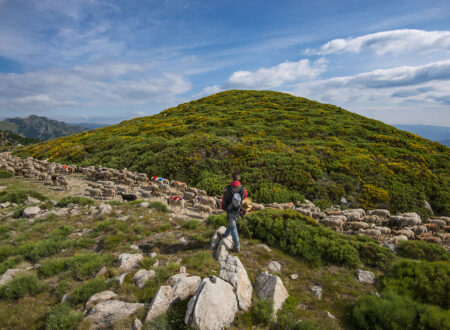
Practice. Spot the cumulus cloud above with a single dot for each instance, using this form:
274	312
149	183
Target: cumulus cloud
102	85
278	75
401	94
394	41
208	91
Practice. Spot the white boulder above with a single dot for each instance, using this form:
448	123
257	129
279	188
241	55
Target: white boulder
213	306
271	287
365	276
142	276
160	303
106	313
31	211
232	270
129	262
100	297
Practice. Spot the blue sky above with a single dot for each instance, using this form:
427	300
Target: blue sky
106	61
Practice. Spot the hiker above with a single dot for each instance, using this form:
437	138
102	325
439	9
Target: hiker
233	194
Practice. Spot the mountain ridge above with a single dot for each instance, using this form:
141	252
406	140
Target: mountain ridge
285	147
41	128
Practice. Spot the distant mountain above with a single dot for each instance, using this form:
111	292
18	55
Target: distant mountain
40	128
439	134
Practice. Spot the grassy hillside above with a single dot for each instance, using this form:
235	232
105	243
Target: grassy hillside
284	146
39	127
8	139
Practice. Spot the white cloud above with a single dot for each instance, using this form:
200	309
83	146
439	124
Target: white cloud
394	41
406	94
106	84
208	91
278	75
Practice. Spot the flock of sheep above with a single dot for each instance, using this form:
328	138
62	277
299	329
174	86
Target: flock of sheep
108	183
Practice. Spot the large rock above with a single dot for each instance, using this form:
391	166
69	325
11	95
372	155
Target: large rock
183	285
31	200
214	305
160	303
31	211
365	276
271	287
142	276
232	270
129	262
105	314
100	297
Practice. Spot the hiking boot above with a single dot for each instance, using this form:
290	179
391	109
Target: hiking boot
236	250
220	236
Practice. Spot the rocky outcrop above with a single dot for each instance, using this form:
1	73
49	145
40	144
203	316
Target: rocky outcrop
271	287
129	262
142	276
232	270
365	276
214	305
160	303
100	297
106	313
184	285
31	211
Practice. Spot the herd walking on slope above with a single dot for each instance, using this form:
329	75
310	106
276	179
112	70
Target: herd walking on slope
104	183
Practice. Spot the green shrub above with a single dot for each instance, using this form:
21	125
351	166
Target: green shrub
6	251
4	174
200	262
262	312
82	201
20	196
422	250
301	236
19	211
21	286
424	281
79	266
172	319
10	263
191	224
63	317
392	311
82	294
158	206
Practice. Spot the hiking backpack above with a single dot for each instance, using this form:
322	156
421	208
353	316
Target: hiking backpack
235	204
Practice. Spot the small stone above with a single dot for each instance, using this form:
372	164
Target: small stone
31	200
102	271
124	218
183	240
274	266
65	298
365	276
156	264
134	247
264	247
5	205
183	269
152	255
293	276
100	297
143	204
104	209
317	290
331	316
129	262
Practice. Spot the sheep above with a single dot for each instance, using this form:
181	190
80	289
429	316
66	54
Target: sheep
406	232
164	188
405	219
110	192
202	192
354	214
380	212
176	201
383	230
356	225
209	201
428	237
180	186
419	229
306	212
128	197
287	206
189	196
374	233
43	176
371	219
397	239
204	209
95	193
334	223
192	190
258	207
431	227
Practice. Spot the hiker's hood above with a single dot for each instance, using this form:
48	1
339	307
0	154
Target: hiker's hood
235	183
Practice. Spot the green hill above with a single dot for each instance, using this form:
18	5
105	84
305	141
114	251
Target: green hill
8	139
40	128
284	146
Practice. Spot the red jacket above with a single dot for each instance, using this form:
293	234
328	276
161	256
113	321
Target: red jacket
233	184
